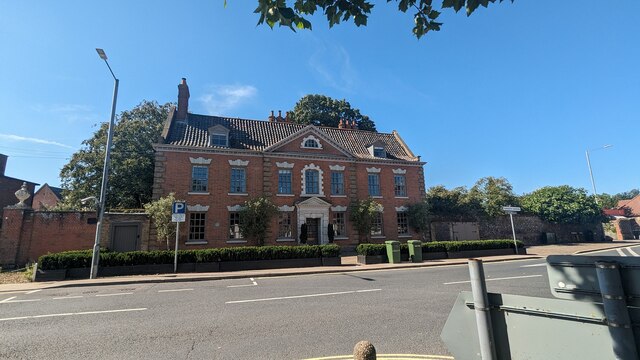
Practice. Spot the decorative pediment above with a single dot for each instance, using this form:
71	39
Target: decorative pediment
198	208
338	208
218	129
284	165
374	170
399	171
285	208
238	162
200	161
313	202
235	208
336	167
307	133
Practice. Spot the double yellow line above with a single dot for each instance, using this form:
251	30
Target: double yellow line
389	357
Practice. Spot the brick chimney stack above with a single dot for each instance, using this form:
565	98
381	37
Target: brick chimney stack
287	119
183	100
341	124
3	164
271	117
354	125
279	118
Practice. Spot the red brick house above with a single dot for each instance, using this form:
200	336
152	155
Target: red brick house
47	197
311	173
9	185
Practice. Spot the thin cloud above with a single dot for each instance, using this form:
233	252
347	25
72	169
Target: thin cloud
332	64
12	137
69	112
220	99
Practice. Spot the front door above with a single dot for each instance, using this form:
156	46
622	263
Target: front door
313	231
125	237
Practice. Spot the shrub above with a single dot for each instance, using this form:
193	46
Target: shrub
329	251
371	249
440	246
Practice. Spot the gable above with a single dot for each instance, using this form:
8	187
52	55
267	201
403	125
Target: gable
309	141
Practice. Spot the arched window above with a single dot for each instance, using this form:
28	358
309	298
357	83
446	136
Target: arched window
311	143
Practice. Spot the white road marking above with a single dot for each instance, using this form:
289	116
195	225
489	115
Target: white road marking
253	283
33	291
8	299
632	252
301	296
19	301
174	290
533	265
117	294
621	252
495	279
67	297
70	314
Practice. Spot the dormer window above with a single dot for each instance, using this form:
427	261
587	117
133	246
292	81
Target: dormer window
311	142
377	150
219	136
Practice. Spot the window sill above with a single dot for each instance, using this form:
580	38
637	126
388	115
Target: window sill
401	197
198	193
285	195
286	240
405	236
312	195
376	196
339	196
238	194
340	238
236	241
196	242
378	237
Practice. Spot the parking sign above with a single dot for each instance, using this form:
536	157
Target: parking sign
178	211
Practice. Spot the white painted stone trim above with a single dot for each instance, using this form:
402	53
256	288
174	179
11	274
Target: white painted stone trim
286	208
373	170
338	208
198	242
401	208
238	162
399	171
312	166
198	208
311	137
235	208
200	161
284	165
336	167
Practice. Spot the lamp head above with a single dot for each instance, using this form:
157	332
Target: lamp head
101	53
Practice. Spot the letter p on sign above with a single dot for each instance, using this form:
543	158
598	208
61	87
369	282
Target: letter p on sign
178	211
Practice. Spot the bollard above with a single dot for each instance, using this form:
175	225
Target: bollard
483	312
616	311
364	350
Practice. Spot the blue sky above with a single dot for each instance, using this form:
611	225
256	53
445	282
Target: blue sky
517	90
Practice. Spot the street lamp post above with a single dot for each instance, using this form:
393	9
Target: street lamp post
105	171
593	183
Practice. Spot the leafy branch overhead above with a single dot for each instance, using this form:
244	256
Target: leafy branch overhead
424	12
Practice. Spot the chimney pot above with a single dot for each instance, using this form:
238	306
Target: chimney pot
271	117
279	119
3	164
183	100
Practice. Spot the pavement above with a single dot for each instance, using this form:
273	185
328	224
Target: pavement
349	264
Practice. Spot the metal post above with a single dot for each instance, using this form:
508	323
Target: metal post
513	229
616	311
175	259
483	312
593	183
105	177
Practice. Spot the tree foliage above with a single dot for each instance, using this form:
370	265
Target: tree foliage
492	194
160	213
608	201
255	218
452	203
132	160
418	217
363	213
563	204
321	110
425	14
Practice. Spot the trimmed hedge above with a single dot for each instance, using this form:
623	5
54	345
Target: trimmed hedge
440	246
82	259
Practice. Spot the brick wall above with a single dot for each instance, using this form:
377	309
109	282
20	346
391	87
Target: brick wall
28	234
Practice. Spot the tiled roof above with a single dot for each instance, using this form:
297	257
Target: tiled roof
258	135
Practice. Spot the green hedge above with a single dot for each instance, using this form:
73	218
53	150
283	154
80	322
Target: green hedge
80	259
440	246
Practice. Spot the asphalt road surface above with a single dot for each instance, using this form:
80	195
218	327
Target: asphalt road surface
295	317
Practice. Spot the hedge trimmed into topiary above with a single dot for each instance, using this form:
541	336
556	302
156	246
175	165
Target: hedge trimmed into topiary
440	246
82	259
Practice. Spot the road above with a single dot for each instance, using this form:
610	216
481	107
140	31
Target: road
295	317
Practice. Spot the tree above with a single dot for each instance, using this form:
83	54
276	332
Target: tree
418	217
363	214
255	218
132	160
452	203
492	194
611	201
160	213
424	13
321	110
563	204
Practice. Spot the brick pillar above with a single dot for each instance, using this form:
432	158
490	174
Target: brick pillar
12	222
